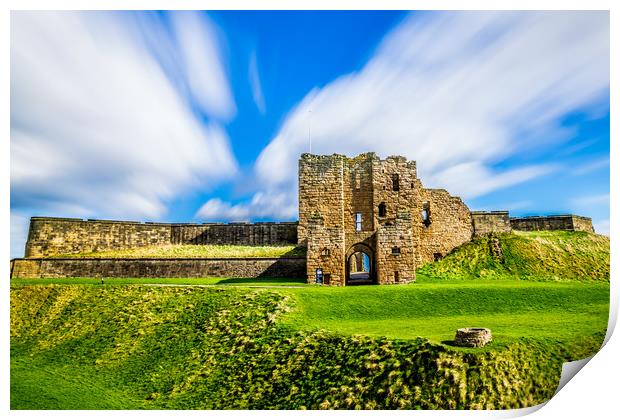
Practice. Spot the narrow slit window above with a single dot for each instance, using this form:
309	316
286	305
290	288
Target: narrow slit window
396	277
395	182
382	210
426	214
358	222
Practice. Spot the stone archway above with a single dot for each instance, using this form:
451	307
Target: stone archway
360	265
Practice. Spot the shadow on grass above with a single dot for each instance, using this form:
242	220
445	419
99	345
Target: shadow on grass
298	251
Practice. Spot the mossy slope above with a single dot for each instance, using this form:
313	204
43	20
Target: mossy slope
213	348
552	255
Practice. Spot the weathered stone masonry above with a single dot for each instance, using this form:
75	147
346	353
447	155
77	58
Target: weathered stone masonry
378	208
56	236
153	268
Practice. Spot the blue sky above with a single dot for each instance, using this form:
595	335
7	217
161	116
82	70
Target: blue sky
196	116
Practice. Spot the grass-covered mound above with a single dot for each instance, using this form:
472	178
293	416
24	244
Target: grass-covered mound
173	347
568	313
196	251
545	255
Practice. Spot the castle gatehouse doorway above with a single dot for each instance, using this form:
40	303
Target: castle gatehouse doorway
360	265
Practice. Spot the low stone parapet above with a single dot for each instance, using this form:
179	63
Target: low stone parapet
162	268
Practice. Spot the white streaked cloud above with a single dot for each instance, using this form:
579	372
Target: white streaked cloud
261	205
591	166
473	179
591	200
459	92
257	90
208	83
97	125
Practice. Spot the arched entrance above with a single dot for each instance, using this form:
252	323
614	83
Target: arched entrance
360	265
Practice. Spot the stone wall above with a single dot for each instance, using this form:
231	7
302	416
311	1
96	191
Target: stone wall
54	236
583	224
559	222
326	247
486	222
321	215
262	233
449	225
163	268
395	252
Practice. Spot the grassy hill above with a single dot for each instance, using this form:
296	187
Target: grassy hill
545	255
195	251
211	348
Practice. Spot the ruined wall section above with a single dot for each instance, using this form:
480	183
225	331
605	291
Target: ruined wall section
583	224
358	192
486	222
326	247
321	215
450	225
559	222
407	195
396	251
320	192
261	233
399	198
54	236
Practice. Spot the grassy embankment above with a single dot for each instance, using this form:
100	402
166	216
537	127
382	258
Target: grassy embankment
545	256
536	324
196	251
192	347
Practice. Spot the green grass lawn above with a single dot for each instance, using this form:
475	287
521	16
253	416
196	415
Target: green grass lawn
196	251
38	383
564	312
136	346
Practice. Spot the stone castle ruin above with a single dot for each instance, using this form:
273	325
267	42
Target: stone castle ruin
363	220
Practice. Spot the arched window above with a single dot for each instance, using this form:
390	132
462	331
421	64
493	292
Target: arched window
382	210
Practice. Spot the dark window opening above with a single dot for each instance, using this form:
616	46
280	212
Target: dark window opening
327	278
396	277
395	182
358	222
437	256
382	210
412	185
395	250
426	214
